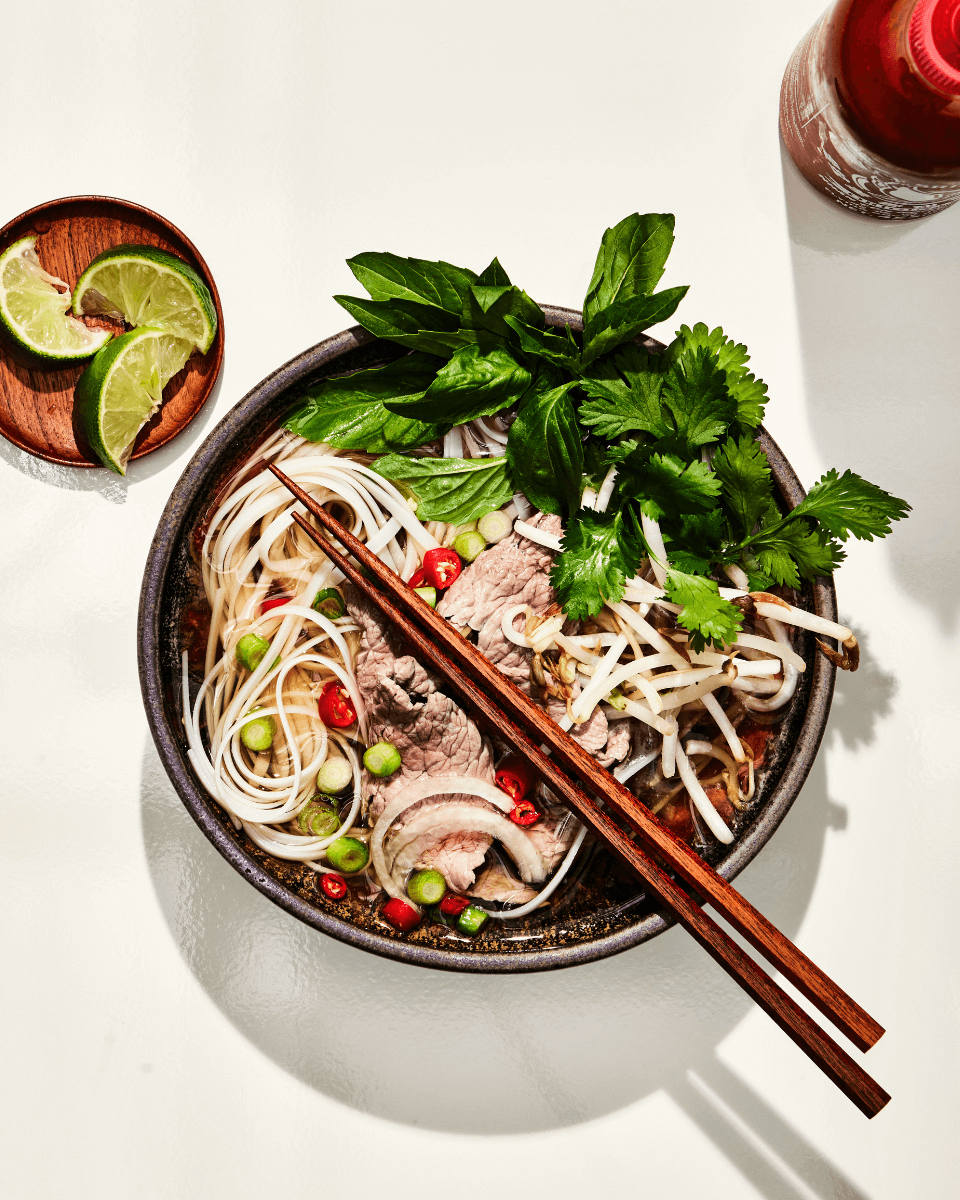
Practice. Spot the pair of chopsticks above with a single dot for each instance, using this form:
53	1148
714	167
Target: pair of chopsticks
567	768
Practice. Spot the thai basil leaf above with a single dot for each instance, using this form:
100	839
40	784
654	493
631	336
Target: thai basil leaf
488	306
630	261
472	384
349	412
546	344
545	450
416	326
624	319
390	277
457	490
494	276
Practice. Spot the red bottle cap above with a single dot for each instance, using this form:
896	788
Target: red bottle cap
935	43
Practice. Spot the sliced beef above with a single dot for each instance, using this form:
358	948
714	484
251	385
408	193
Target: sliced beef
433	734
405	704
517	571
514	571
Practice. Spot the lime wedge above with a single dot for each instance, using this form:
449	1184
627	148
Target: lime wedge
123	387
146	286
34	312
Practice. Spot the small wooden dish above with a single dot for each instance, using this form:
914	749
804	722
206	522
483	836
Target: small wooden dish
36	403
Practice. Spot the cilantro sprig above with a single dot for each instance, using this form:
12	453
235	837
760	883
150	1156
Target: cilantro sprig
679	427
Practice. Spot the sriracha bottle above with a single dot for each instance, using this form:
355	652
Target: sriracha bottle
870	106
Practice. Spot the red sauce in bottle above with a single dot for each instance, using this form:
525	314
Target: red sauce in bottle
870	106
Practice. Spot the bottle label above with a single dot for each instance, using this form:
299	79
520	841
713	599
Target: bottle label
829	154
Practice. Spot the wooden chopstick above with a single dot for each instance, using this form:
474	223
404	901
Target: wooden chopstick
505	707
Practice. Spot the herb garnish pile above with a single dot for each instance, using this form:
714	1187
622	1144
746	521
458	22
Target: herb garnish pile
680	427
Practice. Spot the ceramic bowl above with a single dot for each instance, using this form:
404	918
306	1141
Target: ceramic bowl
606	911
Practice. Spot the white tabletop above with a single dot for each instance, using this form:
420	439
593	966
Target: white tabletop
171	1033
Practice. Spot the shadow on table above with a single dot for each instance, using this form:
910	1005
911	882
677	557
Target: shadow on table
500	1054
99	479
881	381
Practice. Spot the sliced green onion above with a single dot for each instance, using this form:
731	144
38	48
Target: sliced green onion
329	603
429	594
470	544
495	526
319	819
617	700
334	776
426	887
382	759
471	920
347	855
442	918
250	650
259	733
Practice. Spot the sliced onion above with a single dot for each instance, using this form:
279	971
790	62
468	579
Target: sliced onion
462	817
413	793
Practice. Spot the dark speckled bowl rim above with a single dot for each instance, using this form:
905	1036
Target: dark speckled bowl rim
202	468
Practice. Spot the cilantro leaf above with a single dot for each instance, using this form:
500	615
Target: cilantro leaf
545	449
457	490
696	535
472	384
845	504
626	395
390	277
630	261
795	551
743	470
599	552
749	392
695	393
350	412
416	326
624	319
667	484
707	616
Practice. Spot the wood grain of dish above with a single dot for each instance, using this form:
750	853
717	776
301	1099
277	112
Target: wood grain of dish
36	403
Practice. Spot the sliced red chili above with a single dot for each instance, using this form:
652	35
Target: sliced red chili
442	566
335	706
274	602
524	813
453	906
334	886
400	915
515	776
418	578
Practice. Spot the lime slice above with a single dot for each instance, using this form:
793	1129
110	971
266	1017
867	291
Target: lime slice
34	312
146	286
123	387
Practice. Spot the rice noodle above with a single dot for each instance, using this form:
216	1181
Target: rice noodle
253	552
